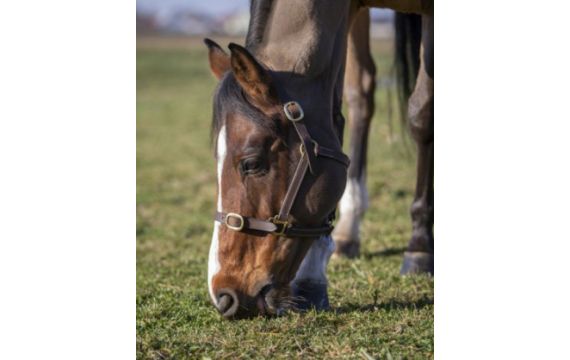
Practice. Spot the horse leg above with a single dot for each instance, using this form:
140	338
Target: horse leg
419	256
359	86
310	284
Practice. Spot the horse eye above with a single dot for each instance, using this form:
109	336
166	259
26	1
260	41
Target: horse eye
251	166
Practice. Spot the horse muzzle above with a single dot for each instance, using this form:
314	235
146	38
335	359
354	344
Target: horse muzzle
232	305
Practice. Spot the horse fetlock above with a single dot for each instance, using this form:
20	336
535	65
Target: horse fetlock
347	235
422	239
349	248
422	227
416	262
310	295
422	212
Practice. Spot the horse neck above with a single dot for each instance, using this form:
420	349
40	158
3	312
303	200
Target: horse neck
304	44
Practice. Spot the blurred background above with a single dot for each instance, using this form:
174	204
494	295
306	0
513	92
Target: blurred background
217	17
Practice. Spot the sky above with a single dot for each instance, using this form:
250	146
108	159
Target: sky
211	7
205	6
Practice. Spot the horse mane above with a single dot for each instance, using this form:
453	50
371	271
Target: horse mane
259	16
229	96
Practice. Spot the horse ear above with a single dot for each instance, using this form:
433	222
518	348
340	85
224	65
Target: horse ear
252	77
219	60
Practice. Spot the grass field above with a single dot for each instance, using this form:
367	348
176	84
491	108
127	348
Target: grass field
376	312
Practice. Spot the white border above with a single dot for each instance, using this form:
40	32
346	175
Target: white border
67	183
502	180
67	186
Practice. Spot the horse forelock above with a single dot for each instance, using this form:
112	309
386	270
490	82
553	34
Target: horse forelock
229	98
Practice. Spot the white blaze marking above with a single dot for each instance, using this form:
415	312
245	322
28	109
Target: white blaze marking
213	261
314	265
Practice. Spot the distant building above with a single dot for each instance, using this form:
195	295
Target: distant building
146	24
236	23
186	23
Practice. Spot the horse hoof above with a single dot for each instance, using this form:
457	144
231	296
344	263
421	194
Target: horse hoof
347	248
416	262
310	295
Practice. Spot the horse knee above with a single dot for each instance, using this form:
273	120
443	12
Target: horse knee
368	79
359	93
420	115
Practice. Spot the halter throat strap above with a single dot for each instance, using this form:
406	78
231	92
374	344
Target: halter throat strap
279	224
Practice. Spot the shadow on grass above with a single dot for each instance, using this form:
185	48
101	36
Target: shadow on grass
388	306
384	253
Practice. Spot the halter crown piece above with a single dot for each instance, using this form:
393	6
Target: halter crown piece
279	224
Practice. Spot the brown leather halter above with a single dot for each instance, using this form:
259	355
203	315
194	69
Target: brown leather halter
279	224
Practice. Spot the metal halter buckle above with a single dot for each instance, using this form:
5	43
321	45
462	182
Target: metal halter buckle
315	147
276	221
290	115
236	216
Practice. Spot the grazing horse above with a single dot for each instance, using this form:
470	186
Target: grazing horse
277	126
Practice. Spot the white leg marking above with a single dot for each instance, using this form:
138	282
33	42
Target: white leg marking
314	265
355	197
353	204
213	261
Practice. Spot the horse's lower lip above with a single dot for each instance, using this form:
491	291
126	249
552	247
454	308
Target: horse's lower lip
261	305
261	299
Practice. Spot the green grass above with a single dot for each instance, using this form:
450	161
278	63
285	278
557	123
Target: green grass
376	312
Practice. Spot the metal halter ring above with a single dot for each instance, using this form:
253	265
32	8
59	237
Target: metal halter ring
236	216
290	115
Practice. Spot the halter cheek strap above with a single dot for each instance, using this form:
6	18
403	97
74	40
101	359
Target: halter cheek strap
279	224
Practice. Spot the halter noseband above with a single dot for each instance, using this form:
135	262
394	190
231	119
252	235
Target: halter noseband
279	224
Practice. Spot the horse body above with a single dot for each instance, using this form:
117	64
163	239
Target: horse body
306	49
295	50
415	61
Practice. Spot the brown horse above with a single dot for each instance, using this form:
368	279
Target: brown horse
414	51
278	129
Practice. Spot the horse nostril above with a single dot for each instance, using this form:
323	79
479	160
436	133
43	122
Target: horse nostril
227	302
266	294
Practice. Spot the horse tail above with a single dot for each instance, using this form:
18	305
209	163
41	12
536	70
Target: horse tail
407	40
